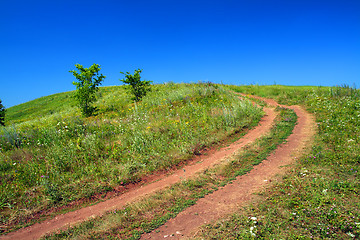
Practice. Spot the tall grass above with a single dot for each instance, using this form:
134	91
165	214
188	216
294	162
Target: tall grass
62	157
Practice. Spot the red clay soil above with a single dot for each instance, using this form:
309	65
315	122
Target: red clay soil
200	163
229	198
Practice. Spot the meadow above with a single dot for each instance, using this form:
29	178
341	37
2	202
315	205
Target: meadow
51	156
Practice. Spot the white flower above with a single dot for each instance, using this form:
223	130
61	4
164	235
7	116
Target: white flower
350	234
253	218
251	231
324	191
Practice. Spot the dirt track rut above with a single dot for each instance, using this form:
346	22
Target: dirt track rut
232	196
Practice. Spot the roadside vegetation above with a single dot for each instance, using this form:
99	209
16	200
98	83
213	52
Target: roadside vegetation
319	198
50	155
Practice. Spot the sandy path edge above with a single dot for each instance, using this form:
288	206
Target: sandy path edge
229	198
64	221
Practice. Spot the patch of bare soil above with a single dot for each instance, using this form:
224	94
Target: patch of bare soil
200	163
229	198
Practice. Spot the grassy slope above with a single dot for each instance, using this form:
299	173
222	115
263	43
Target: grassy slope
59	156
319	199
63	105
39	107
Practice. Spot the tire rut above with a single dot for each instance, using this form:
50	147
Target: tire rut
241	191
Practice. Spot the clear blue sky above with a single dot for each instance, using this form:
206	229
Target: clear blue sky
290	42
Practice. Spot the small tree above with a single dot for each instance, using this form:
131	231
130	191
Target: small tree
138	87
2	114
86	87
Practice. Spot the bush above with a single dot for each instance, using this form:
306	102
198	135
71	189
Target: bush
88	82
138	87
2	114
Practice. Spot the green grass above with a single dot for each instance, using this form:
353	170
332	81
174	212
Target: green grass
43	106
60	157
319	198
148	214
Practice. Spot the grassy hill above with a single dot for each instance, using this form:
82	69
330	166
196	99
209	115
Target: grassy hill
52	156
43	106
63	105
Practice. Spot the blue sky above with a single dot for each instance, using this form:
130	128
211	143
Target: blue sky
234	42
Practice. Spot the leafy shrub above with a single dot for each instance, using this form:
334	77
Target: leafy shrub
10	139
2	114
138	87
88	82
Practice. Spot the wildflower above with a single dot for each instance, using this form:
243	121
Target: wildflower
350	234
251	231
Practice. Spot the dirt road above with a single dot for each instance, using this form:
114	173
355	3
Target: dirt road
232	196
